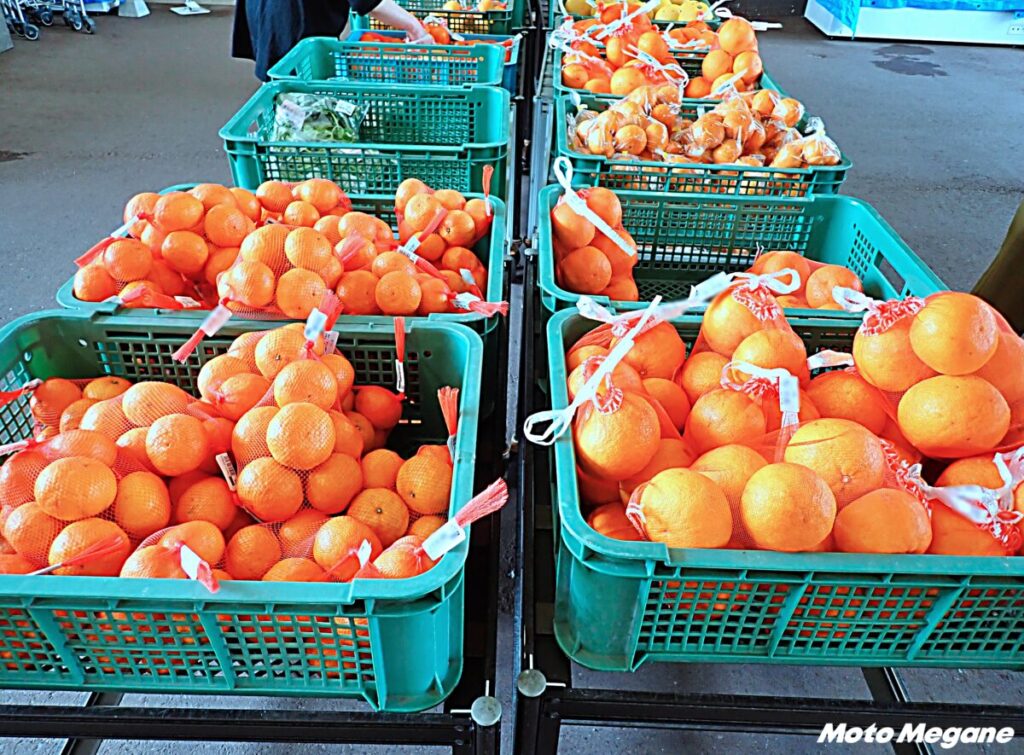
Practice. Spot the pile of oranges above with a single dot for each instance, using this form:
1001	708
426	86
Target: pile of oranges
623	64
587	261
121	476
274	253
696	450
179	243
754	128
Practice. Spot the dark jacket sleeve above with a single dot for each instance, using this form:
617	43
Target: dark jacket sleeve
265	30
362	7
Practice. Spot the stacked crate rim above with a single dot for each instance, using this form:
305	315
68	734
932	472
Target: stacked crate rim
686	238
620	604
442	135
491	250
597	170
458	21
355	60
557	14
262	638
509	72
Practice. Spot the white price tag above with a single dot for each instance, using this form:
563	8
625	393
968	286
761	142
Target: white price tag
789	394
315	324
187	301
190	562
363	554
227	468
443	539
330	341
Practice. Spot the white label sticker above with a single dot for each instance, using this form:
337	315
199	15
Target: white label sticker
227	468
789	394
443	539
315	324
363	554
190	562
399	376
345	107
187	301
330	341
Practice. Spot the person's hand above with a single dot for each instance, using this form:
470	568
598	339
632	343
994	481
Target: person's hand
419	35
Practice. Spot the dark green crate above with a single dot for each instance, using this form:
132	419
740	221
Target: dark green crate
458	21
699	178
684	239
491	250
328	59
440	135
91	633
621	604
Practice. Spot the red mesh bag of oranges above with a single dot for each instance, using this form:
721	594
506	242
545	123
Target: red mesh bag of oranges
977	505
74	504
434	269
593	253
950	367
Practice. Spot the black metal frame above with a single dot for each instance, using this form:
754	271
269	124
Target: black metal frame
548	697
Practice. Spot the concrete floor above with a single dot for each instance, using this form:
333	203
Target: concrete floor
933	132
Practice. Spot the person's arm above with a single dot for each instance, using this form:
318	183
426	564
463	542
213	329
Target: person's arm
392	14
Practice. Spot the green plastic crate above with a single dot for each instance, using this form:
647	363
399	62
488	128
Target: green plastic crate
621	604
684	239
458	21
91	633
646	175
328	59
490	249
509	77
440	135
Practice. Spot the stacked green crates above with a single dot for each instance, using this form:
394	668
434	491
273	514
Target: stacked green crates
395	643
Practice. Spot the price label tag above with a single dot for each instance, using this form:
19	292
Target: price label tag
190	562
227	468
789	394
446	537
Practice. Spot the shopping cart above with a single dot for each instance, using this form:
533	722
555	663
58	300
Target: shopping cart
73	11
14	15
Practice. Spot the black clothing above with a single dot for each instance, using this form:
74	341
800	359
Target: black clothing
265	30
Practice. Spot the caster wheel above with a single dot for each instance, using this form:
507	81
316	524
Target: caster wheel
46	18
31	32
76	24
90	26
